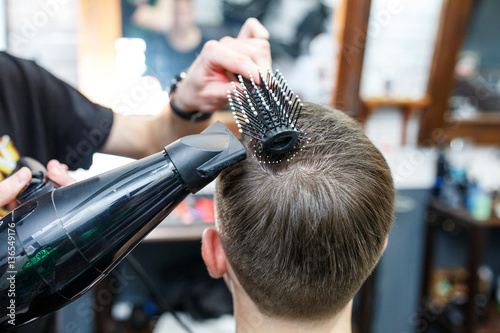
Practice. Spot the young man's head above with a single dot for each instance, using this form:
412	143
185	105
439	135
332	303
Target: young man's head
302	236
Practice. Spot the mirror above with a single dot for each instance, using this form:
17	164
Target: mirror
476	88
171	33
393	80
466	33
115	72
389	71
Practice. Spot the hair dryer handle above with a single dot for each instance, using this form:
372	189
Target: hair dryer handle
39	183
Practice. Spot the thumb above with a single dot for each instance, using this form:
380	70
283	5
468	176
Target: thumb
10	187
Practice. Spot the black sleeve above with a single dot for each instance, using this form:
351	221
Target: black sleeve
56	120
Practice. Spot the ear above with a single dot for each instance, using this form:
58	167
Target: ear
213	254
385	244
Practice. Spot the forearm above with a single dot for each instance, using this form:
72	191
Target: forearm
140	136
170	127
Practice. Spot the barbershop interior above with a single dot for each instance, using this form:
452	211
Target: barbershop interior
422	79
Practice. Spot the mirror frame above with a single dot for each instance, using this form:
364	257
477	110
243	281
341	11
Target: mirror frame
352	41
434	128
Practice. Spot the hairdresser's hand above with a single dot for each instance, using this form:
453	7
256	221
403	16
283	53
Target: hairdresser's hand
208	79
58	173
13	185
204	89
252	28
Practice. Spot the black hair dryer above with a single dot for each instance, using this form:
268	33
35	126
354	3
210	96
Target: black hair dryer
57	245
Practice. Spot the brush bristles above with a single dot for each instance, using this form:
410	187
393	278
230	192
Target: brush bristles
268	113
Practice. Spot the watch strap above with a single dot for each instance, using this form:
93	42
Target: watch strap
192	116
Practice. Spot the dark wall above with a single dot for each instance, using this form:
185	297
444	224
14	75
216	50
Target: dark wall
398	273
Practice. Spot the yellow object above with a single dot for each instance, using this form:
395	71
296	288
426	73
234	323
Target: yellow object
8	155
3	212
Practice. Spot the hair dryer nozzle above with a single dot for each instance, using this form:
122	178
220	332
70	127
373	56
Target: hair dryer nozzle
210	152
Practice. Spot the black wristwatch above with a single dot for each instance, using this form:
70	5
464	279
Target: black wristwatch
193	116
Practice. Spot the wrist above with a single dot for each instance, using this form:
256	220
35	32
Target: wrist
191	116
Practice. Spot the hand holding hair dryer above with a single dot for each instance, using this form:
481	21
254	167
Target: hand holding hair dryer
56	246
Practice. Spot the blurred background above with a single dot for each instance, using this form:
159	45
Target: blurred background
423	78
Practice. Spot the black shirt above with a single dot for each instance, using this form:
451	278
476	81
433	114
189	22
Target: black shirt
46	118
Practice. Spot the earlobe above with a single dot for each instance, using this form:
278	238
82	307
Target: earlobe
213	254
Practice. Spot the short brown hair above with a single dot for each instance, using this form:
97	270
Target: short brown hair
302	236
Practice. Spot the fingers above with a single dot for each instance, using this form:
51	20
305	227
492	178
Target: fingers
209	76
58	173
226	56
258	50
252	28
213	69
10	187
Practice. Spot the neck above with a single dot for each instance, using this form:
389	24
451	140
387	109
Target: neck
185	40
249	319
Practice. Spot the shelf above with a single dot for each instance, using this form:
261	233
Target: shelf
476	232
406	105
462	216
483	128
480	118
375	102
492	322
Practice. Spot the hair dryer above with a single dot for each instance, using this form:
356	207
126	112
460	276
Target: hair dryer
57	245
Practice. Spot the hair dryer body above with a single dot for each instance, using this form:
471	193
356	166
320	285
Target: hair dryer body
61	243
